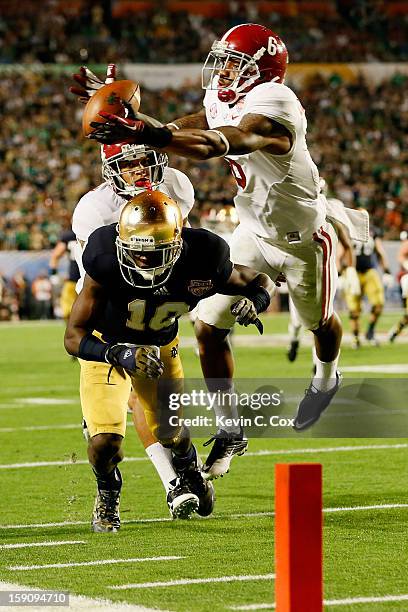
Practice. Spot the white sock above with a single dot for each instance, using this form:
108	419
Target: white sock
325	377
227	409
162	460
294	332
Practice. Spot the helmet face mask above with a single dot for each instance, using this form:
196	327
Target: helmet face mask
149	239
222	64
132	168
247	55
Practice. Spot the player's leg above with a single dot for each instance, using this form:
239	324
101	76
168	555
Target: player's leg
311	276
103	398
160	456
294	328
212	327
375	295
186	489
395	331
68	297
354	309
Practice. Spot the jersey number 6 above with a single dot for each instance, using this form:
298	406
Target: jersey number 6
164	315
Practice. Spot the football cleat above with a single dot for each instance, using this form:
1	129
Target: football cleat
370	337
225	446
181	501
293	350
105	517
191	476
313	404
356	344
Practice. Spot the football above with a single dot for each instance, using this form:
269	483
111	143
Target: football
109	99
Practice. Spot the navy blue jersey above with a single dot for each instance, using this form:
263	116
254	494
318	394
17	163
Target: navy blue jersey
69	238
150	316
365	253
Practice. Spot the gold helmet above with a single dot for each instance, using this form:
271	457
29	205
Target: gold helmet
149	239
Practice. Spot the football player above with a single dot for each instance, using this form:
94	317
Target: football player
65	245
142	274
367	256
258	125
403	281
127	171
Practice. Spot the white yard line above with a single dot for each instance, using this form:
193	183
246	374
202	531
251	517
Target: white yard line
171	583
40	544
219	516
331	602
40	428
76	602
260	453
22	568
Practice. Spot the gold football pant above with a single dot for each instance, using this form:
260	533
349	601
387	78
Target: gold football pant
105	392
371	287
68	297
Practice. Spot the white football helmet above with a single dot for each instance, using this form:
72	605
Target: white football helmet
131	168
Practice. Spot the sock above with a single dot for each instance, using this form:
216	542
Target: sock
371	326
109	482
325	377
162	460
226	408
294	332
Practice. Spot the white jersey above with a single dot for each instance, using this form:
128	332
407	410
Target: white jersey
278	195
102	206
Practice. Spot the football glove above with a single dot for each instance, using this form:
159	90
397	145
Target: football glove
142	361
387	279
245	313
135	131
90	83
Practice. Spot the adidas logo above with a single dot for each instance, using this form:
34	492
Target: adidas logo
161	291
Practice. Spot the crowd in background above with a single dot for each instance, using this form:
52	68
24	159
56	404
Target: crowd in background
357	134
359	31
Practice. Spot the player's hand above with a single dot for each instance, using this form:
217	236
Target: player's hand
89	83
388	280
140	361
135	131
118	129
244	312
280	279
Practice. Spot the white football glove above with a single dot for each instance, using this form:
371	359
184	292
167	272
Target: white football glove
388	280
90	83
351	281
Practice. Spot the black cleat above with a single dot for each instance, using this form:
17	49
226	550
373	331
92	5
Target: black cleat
191	476
313	404
293	350
182	502
105	517
225	446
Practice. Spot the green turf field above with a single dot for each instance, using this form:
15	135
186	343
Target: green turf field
48	491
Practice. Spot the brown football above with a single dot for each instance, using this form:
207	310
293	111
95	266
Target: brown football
108	98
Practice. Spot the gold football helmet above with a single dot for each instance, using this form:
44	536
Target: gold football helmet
149	239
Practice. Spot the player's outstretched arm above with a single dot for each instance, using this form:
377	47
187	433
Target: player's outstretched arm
254	132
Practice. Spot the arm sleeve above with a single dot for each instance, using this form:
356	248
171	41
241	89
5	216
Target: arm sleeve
90	260
221	260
